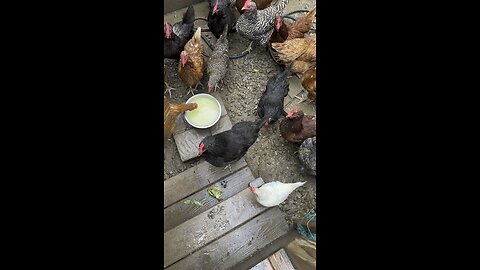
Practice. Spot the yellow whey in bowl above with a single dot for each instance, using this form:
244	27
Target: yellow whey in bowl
206	114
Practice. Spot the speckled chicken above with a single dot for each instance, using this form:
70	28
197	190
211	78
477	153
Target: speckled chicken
220	14
175	37
307	153
309	82
218	62
297	126
170	113
297	29
270	106
261	4
191	66
258	25
301	52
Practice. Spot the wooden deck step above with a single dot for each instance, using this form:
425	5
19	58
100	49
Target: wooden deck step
180	212
195	179
209	225
278	261
281	261
239	244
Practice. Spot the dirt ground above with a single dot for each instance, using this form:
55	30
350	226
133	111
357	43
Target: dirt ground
271	157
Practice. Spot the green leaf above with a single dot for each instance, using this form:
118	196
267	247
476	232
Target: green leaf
187	202
197	203
215	192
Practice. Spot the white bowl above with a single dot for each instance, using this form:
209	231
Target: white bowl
192	100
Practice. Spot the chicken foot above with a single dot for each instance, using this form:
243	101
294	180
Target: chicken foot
169	88
229	166
191	90
249	48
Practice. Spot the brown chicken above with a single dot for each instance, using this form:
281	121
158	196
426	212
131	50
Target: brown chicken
309	82
192	66
298	127
170	113
301	52
297	29
261	4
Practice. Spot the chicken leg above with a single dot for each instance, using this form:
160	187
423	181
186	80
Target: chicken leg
249	48
191	90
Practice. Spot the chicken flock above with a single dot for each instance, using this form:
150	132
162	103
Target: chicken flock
262	23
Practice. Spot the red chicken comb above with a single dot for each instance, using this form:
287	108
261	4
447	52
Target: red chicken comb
292	112
246	5
252	189
215	8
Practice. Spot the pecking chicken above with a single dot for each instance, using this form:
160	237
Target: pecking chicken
170	113
220	14
309	82
192	65
175	37
229	146
274	193
261	4
218	63
270	106
297	29
301	52
307	153
297	126
258	25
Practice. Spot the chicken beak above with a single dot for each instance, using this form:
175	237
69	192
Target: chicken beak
198	34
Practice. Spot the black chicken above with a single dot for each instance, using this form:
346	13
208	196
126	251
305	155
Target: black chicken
229	146
175	37
220	13
270	106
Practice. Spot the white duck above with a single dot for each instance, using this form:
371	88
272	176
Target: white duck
274	193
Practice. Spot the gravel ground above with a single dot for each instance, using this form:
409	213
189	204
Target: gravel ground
271	157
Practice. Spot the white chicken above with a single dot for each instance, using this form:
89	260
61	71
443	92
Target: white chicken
274	193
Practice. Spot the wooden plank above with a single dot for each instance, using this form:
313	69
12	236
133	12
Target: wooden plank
187	142
222	125
195	179
181	212
263	265
210	225
295	86
281	261
239	244
180	124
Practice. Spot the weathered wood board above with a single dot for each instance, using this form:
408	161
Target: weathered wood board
195	179
210	225
222	125
239	244
281	261
263	265
180	212
295	86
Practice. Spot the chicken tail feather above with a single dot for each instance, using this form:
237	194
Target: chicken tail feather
189	16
